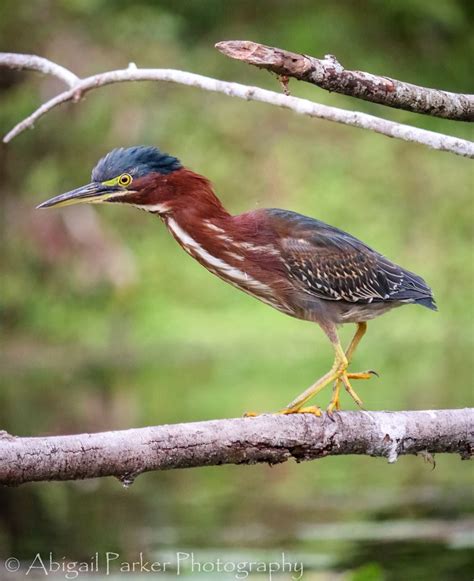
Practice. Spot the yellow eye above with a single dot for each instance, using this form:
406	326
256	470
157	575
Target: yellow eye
125	179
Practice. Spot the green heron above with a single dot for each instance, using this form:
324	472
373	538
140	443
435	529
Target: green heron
296	264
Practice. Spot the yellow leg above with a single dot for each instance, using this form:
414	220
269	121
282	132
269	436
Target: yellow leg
361	331
337	374
338	368
335	402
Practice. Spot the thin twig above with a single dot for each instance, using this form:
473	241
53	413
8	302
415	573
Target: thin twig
32	62
329	74
264	439
302	106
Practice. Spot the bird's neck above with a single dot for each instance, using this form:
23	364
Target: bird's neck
192	205
199	222
187	204
238	249
193	198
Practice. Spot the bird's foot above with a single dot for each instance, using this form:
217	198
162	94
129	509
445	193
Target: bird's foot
339	375
315	410
344	377
362	374
312	409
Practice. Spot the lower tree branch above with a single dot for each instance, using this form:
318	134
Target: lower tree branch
329	74
264	439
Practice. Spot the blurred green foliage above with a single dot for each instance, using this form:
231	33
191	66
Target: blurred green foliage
106	323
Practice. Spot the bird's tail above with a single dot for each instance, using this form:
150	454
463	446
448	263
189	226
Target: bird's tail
427	302
415	290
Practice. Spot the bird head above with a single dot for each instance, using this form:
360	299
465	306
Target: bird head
133	175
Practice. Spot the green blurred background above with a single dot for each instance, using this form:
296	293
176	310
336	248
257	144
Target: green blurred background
107	324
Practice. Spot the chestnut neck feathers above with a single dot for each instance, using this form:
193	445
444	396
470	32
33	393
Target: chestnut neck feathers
187	199
237	249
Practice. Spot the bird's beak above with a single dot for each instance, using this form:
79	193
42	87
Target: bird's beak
92	193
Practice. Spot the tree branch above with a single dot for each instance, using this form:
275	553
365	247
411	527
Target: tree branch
302	106
329	74
264	439
32	62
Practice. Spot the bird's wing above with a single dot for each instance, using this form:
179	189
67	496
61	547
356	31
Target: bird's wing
333	265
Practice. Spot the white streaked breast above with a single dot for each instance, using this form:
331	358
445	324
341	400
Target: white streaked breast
212	226
226	270
235	255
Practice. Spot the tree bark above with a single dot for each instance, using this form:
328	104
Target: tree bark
263	439
329	74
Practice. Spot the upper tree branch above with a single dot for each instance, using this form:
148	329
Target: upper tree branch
32	62
267	439
431	139
329	74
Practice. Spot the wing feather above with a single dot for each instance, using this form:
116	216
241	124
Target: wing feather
332	265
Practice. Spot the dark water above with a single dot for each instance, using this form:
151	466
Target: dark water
88	534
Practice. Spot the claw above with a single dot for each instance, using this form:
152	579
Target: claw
330	414
332	407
